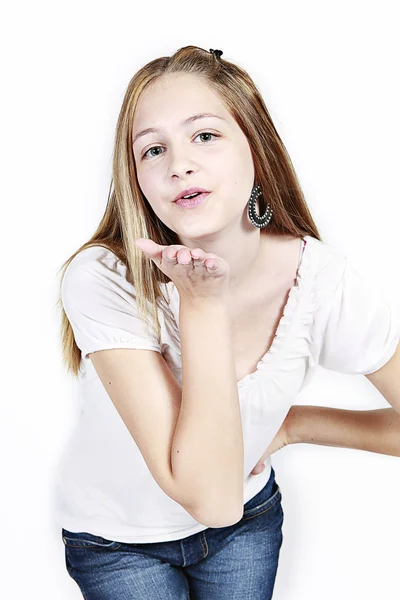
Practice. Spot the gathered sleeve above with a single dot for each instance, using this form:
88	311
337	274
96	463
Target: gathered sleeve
101	306
362	326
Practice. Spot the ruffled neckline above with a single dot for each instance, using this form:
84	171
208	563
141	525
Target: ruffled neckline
281	334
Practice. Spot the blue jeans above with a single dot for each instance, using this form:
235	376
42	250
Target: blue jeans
238	562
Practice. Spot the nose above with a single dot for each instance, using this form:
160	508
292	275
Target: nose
180	163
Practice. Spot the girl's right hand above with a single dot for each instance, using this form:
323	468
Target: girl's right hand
195	273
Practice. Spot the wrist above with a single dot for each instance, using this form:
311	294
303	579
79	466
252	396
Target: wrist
204	302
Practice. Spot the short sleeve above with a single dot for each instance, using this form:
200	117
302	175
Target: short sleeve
101	305
362	326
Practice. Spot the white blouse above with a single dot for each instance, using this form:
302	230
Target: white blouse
333	318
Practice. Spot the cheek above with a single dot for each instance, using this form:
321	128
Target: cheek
146	183
237	163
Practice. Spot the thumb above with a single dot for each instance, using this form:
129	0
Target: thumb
258	469
148	246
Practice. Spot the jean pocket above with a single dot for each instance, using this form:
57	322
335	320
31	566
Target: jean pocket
262	502
83	539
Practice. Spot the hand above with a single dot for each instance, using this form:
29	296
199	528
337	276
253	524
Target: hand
195	273
281	440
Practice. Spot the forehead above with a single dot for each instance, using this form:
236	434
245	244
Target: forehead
174	97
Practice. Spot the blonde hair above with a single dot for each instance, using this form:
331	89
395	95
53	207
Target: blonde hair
128	215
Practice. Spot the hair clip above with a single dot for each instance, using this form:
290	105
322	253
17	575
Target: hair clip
217	53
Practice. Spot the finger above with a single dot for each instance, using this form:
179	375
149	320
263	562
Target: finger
212	263
214	266
149	247
183	256
198	254
170	254
198	261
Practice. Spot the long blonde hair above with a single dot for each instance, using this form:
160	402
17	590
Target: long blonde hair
128	215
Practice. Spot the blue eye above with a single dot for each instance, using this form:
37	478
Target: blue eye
154	147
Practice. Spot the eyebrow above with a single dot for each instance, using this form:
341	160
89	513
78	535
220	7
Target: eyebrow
185	122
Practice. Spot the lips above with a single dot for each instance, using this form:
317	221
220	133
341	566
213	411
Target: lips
192	202
188	191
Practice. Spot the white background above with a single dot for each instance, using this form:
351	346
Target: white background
328	72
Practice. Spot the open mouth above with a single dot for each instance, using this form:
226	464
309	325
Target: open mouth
189	197
194	200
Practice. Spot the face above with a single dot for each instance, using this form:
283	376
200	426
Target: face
209	152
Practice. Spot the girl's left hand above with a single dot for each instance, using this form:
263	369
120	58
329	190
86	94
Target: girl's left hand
281	440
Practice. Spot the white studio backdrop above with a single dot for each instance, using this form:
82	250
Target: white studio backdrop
328	72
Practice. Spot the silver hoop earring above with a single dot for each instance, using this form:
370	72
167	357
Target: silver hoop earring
254	217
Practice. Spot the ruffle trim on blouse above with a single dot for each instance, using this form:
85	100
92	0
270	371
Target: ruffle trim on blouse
292	337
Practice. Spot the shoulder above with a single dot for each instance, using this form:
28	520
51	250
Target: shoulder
355	325
100	304
319	254
325	264
97	267
97	259
323	252
93	280
97	274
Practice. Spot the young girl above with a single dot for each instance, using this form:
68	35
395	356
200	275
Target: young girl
196	313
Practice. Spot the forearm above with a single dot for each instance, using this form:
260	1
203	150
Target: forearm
207	455
372	430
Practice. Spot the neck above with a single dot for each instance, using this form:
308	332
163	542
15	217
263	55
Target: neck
247	258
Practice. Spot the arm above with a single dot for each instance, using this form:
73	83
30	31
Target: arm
207	455
371	430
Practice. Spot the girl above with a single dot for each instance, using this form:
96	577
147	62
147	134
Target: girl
196	313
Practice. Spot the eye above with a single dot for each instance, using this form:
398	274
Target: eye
207	133
156	147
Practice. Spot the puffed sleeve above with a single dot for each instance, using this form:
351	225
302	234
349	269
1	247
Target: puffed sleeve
101	305
362	326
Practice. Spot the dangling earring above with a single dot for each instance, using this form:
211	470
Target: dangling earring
254	217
